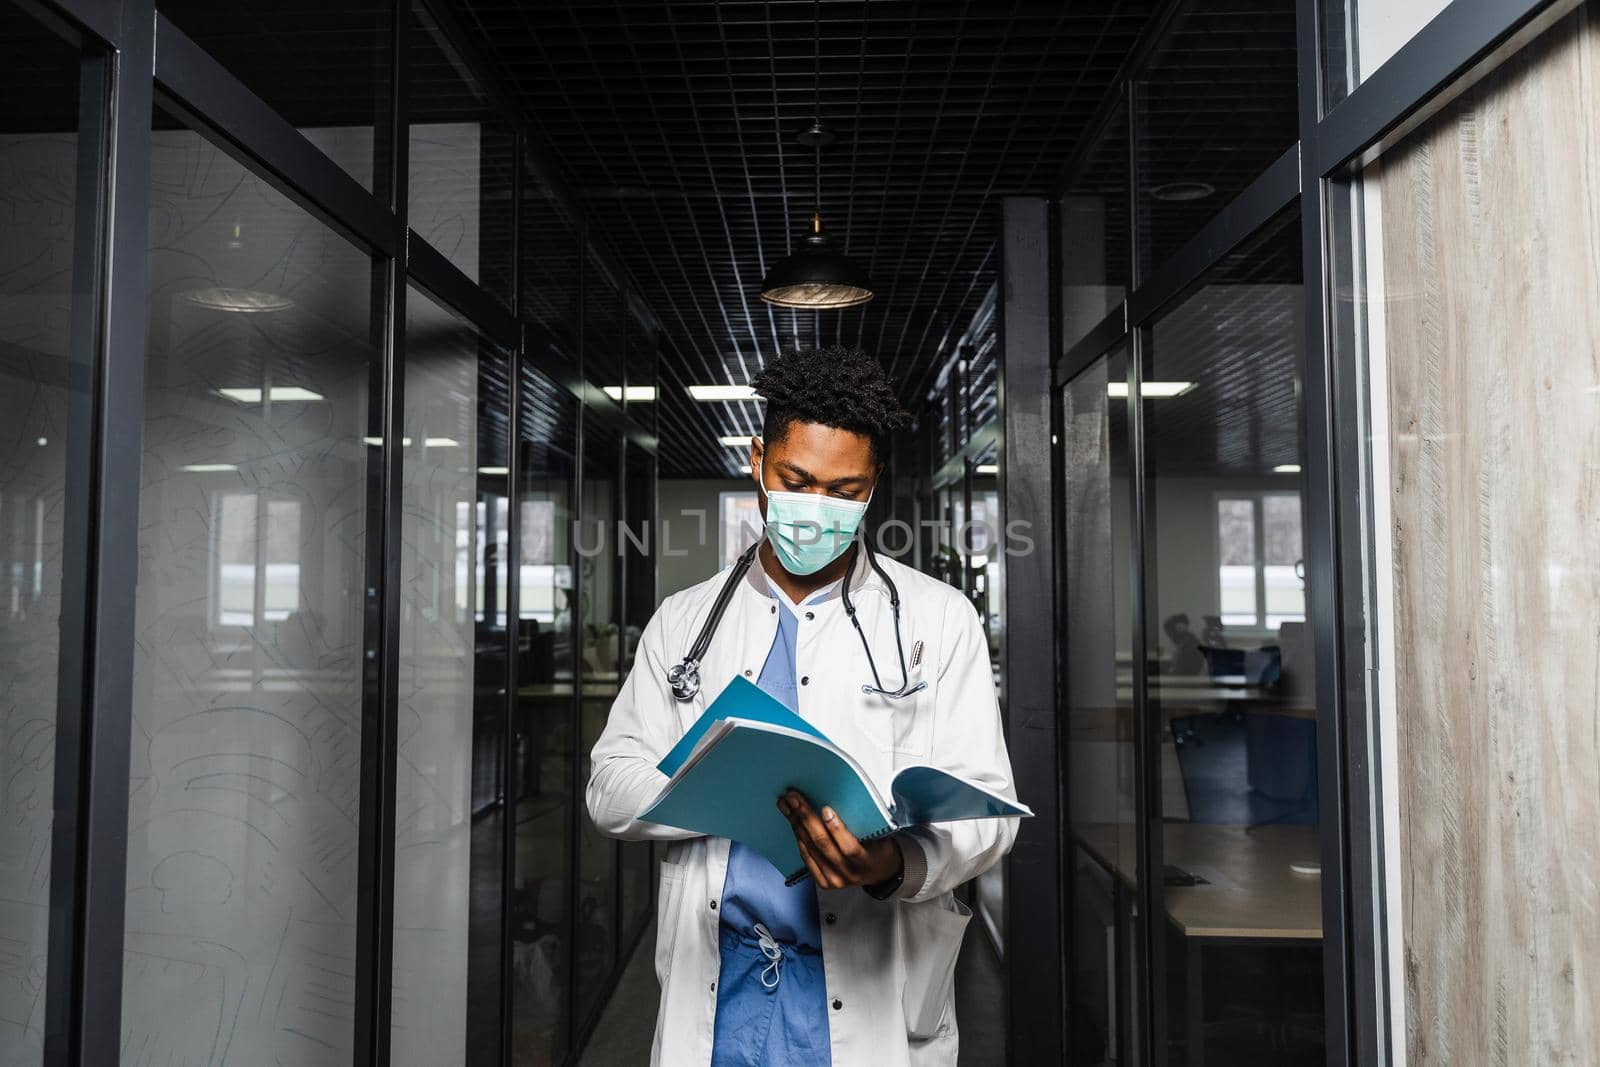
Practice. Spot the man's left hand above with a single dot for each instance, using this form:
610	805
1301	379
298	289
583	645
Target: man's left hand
833	855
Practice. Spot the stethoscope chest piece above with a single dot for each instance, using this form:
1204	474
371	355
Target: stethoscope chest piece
684	678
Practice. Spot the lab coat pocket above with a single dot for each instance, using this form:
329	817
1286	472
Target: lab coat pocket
671	891
932	932
913	722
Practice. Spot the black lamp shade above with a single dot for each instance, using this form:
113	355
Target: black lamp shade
816	278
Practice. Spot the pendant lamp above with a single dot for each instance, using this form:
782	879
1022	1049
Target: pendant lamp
817	277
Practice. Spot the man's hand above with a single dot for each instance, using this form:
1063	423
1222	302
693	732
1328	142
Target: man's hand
832	854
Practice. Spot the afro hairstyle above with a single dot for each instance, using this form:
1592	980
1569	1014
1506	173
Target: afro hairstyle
835	386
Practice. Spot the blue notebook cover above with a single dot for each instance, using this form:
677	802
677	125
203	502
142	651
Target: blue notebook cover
747	749
742	699
731	790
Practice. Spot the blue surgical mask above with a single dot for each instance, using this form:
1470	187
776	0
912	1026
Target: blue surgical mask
808	531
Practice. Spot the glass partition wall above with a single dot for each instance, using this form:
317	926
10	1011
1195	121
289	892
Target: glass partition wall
1307	467
451	732
244	806
1230	679
1189	684
294	632
547	771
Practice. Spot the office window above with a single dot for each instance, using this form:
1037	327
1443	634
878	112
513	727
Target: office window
257	558
483	557
1260	572
739	524
244	792
542	579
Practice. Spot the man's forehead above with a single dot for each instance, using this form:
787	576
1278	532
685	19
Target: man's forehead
823	453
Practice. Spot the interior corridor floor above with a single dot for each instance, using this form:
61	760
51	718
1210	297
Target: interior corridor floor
622	1038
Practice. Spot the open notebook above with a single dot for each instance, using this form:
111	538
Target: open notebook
727	773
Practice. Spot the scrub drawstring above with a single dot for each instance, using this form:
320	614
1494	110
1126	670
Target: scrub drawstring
769	948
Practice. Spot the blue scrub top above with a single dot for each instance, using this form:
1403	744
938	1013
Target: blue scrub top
767	1014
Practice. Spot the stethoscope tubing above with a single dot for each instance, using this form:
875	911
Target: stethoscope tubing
684	677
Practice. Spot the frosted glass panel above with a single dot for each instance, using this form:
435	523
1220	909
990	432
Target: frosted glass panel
451	689
38	208
243	805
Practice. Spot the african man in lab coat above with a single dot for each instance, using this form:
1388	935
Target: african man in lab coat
855	964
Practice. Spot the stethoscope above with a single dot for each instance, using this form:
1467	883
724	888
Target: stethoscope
684	677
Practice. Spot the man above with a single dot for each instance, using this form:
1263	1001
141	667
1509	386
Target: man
854	965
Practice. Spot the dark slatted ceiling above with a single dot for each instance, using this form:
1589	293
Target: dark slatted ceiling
676	122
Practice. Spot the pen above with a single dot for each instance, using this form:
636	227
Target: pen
796	879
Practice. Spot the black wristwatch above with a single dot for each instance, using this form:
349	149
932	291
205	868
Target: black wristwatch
889	886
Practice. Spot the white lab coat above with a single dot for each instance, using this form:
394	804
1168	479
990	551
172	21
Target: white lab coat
889	965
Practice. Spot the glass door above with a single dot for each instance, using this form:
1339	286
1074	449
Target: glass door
1231	681
1098	712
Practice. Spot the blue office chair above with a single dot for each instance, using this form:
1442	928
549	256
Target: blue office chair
1249	769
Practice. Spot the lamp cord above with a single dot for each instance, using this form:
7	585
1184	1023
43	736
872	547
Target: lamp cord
816	102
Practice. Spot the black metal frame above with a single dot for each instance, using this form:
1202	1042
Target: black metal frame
133	58
88	883
1459	46
1025	478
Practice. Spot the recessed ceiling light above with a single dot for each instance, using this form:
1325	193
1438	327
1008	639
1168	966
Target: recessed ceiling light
736	440
494	470
1286	468
1183	192
634	394
722	392
440	442
745	469
377	442
245	301
986	468
280	394
208	468
1150	390
43	441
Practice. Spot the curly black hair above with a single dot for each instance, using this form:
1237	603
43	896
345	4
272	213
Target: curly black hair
834	386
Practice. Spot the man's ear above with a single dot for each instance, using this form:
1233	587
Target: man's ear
757	450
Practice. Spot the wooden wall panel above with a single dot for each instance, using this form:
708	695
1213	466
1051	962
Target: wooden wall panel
1491	249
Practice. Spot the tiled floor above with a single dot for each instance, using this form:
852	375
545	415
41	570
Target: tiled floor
623	1035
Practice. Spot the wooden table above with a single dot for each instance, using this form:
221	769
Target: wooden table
1116	724
1251	896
